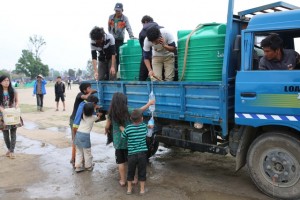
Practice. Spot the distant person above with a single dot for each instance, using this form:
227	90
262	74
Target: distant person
83	140
117	23
85	91
275	57
8	99
147	22
60	89
135	134
163	58
119	115
39	90
69	83
104	44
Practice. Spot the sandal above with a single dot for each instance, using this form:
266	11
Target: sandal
129	192
90	168
79	169
7	154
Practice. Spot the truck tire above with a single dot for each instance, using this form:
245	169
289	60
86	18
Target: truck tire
273	162
152	145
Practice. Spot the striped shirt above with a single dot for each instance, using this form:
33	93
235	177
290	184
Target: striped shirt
136	138
106	51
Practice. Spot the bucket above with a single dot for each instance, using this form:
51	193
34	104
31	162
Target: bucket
11	116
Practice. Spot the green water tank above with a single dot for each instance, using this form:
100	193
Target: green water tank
130	59
205	52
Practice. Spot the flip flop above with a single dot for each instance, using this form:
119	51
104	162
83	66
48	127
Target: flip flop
79	169
129	192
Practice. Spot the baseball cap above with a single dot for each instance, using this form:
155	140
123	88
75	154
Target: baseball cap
119	7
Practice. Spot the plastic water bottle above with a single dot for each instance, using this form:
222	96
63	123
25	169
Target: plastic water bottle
152	97
150	127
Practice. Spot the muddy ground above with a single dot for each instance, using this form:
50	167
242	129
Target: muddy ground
42	170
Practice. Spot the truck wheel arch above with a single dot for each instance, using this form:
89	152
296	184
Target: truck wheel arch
248	134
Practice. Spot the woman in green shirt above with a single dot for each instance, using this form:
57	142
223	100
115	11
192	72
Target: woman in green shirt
119	115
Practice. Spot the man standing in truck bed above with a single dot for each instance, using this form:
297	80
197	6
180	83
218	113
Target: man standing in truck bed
275	57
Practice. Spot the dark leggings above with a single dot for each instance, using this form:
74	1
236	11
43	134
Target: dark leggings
10	142
39	100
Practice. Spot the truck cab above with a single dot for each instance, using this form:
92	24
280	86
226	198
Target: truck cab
267	103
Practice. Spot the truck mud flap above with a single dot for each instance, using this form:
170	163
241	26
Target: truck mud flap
201	147
248	135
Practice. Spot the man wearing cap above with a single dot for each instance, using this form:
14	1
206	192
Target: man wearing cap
116	26
39	90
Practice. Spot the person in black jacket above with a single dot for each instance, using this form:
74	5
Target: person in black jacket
147	22
59	88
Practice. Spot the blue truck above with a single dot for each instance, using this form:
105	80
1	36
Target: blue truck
252	114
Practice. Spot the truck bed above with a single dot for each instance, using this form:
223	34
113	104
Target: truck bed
185	101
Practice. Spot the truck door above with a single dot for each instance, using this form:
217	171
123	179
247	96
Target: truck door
265	97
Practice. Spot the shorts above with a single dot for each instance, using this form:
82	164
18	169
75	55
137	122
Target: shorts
60	96
121	155
139	161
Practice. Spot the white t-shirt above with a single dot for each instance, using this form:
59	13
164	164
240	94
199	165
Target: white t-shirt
157	49
86	124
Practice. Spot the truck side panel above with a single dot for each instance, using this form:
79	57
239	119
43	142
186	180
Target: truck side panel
186	101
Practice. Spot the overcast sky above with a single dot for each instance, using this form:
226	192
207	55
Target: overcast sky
65	24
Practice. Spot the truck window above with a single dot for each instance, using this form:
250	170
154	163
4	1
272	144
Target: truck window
291	40
297	44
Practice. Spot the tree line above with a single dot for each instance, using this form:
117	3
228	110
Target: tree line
30	63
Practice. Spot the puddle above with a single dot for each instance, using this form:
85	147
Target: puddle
30	125
67	130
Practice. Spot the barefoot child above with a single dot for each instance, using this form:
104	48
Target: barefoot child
135	134
118	115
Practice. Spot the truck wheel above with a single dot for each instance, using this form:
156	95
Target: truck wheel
273	162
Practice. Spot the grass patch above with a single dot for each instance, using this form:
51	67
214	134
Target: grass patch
25	108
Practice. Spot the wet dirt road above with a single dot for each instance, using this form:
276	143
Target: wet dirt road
42	170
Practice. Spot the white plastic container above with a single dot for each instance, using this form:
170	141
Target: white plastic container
11	116
150	127
152	97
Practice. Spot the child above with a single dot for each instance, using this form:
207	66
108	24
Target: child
8	99
85	92
82	139
118	115
78	117
137	149
60	89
